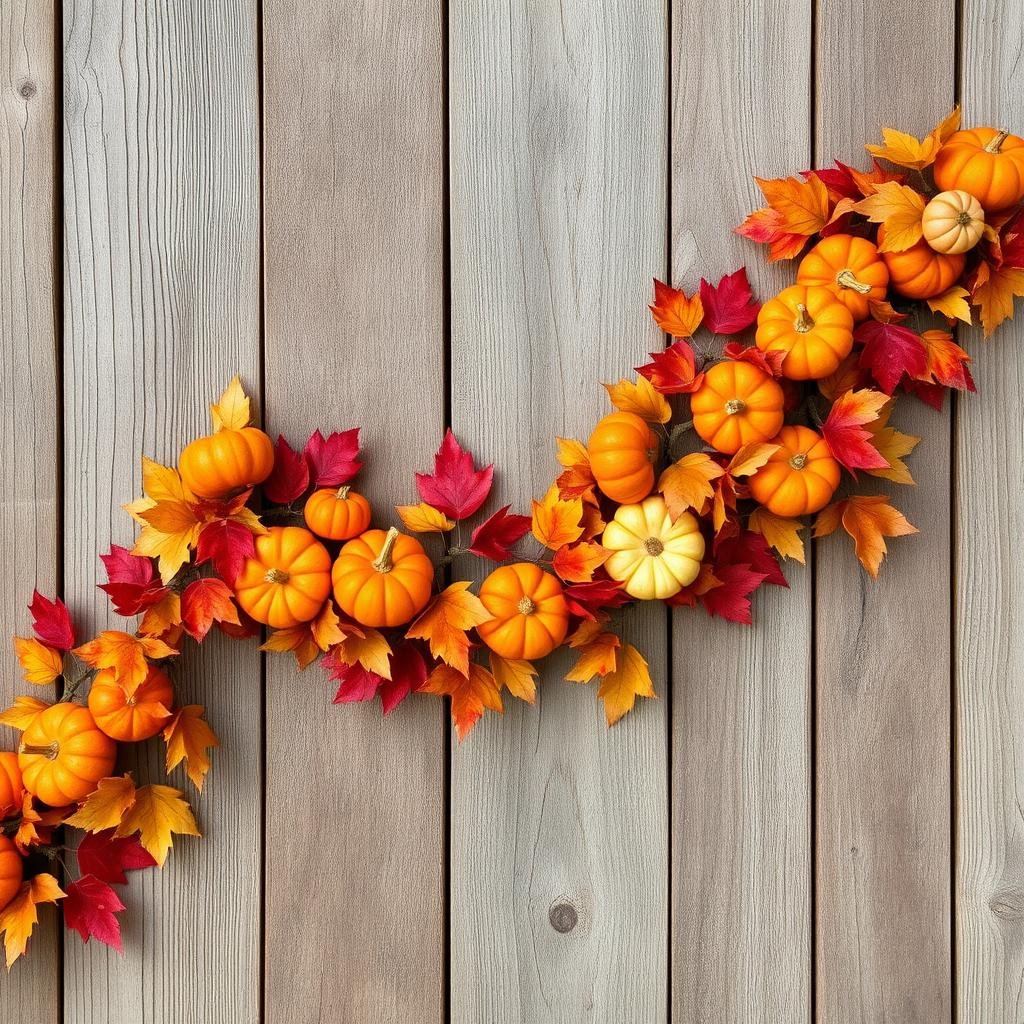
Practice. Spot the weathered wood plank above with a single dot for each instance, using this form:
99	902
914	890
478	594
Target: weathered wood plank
883	826
558	213
354	212
989	596
29	398
741	840
161	202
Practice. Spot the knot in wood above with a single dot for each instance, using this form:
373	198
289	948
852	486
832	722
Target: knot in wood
27	89
563	917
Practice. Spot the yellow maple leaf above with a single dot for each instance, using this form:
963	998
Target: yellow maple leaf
443	624
515	675
232	412
952	303
170	523
686	484
750	458
188	737
867	519
640	398
424	518
781	534
471	692
598	657
898	208
40	663
908	151
892	445
127	655
993	294
630	679
22	712
157	813
297	639
162	617
18	918
571	452
557	521
369	649
105	806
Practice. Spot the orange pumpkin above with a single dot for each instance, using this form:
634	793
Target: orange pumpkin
134	718
953	222
63	754
287	580
11	871
382	579
809	324
850	268
531	617
623	450
227	461
920	272
337	513
11	787
987	163
736	404
799	478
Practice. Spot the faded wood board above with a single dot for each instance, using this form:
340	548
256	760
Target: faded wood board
883	780
741	757
161	197
354	301
558	219
29	401
989	596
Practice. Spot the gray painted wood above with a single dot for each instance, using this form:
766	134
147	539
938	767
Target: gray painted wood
883	828
161	196
558	217
741	838
354	214
989	596
29	402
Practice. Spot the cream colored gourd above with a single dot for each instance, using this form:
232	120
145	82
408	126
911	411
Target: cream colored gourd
953	222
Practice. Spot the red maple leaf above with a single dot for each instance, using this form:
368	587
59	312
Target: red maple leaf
750	549
890	351
356	683
838	180
290	475
844	433
132	583
205	601
90	907
731	600
767	362
227	544
333	460
408	674
729	306
109	857
51	621
674	371
587	599
495	537
456	488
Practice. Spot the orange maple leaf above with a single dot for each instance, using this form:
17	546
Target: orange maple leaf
766	226
899	209
297	639
908	151
598	657
867	519
127	655
781	534
631	678
952	304
802	203
163	619
22	712
188	737
687	483
424	518
575	563
674	313
444	622
516	675
40	663
105	806
993	293
555	521
471	694
640	398
18	918
367	647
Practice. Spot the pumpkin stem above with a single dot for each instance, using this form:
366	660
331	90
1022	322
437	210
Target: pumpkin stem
735	406
799	460
383	561
963	218
277	576
804	322
342	493
526	605
50	752
848	279
653	546
996	142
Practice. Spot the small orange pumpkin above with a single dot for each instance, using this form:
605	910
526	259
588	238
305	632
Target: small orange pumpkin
337	513
135	718
987	163
799	478
382	579
11	871
953	222
851	268
737	403
63	754
920	272
531	617
623	450
227	461
287	580
809	324
12	789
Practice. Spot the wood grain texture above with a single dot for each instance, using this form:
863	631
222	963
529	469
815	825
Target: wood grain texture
354	214
161	199
741	840
29	400
883	826
989	595
558	219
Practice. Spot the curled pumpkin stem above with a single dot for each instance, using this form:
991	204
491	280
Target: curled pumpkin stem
848	279
342	493
383	562
995	144
50	752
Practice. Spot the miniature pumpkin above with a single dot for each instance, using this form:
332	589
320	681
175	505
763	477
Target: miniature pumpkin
134	718
920	272
287	580
985	162
851	268
531	617
63	754
736	404
799	478
11	871
953	222
623	450
653	557
337	513
11	787
809	324
227	461
382	579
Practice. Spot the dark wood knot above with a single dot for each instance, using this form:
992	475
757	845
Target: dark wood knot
563	917
27	90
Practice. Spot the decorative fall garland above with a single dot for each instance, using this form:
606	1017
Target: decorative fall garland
660	504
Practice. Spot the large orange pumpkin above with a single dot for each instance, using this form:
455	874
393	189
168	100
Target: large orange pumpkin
849	267
531	617
63	754
737	403
12	789
11	871
337	513
623	450
811	326
287	580
987	163
800	477
920	272
227	461
382	579
134	718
